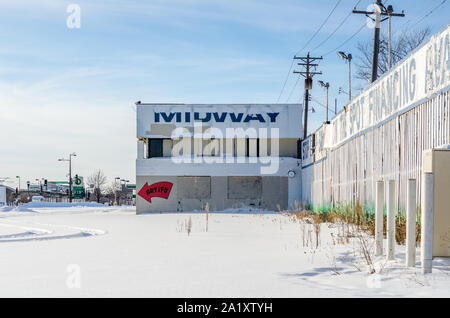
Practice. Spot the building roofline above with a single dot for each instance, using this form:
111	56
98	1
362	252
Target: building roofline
214	104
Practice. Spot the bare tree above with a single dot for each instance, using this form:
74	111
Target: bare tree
115	192
98	179
401	46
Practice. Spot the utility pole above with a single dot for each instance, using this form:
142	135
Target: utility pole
379	11
389	10
70	173
307	74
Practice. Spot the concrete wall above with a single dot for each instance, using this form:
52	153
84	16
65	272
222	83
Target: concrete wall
220	192
244	187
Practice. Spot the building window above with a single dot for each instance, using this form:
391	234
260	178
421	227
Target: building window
155	148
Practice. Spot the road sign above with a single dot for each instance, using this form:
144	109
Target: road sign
78	192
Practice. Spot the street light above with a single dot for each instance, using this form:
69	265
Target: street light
327	86
115	190
124	188
40	185
70	172
348	57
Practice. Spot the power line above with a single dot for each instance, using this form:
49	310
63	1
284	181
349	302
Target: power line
337	28
423	18
346	41
285	81
350	38
320	104
320	28
307	43
293	88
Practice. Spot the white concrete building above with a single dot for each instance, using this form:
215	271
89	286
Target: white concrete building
225	155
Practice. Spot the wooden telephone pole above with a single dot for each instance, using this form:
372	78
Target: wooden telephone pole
307	63
379	11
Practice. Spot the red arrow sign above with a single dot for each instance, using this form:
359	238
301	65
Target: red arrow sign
159	190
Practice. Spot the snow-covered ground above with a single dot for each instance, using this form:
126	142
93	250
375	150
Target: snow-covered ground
95	251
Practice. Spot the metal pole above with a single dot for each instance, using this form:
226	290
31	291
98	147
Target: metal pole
335	106
426	243
379	214
70	178
349	79
411	224
327	103
391	220
115	191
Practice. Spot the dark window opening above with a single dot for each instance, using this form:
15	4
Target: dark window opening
155	148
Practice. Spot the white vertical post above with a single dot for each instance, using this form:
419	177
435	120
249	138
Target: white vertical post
411	224
379	213
140	149
426	245
391	220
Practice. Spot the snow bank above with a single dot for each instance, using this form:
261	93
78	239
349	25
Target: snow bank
59	205
6	208
27	207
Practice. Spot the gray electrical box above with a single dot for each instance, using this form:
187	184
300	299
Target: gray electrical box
437	162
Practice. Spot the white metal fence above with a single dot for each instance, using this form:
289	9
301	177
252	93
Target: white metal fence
383	132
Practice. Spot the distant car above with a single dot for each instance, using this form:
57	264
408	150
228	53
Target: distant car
37	198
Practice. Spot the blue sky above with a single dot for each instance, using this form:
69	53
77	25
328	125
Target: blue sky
65	90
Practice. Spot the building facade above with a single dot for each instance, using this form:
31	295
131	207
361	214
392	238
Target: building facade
226	156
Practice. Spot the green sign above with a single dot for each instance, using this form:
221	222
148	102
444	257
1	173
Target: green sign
78	192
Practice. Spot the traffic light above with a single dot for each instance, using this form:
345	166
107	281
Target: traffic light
45	183
77	180
17	190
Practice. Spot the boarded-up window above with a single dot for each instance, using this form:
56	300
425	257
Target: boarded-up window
155	148
244	187
194	187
